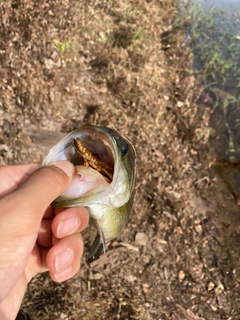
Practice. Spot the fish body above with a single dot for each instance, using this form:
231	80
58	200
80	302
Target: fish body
109	197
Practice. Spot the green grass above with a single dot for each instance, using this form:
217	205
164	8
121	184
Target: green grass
62	46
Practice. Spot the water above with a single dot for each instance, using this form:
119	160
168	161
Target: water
229	11
221	4
213	36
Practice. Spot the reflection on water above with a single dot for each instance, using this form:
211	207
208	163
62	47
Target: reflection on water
223	4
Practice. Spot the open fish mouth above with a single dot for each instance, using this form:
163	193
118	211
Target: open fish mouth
92	154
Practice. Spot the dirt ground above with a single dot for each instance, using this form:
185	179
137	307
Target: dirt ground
66	63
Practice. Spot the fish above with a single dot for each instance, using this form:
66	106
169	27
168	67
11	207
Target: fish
104	179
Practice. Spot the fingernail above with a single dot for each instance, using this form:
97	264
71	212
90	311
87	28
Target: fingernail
64	274
67	227
64	165
63	260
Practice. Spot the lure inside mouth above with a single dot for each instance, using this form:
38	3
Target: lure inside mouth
89	159
93	159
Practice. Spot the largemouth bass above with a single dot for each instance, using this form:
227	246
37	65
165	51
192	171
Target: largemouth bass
104	181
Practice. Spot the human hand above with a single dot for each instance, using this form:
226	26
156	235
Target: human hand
34	237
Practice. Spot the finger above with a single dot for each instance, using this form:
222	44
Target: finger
63	259
26	205
13	176
67	273
49	181
45	234
49	213
69	221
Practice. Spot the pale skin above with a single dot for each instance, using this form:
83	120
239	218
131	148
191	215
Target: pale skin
34	237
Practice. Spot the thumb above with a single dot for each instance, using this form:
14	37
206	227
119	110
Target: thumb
27	204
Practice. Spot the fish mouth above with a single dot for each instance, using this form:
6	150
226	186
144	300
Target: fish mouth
90	176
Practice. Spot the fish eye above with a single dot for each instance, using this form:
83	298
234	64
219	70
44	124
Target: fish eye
124	148
119	139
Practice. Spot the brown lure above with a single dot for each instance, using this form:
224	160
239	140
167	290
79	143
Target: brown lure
92	161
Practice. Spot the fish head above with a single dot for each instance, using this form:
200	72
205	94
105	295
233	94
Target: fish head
88	185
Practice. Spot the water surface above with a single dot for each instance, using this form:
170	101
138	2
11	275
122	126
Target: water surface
213	36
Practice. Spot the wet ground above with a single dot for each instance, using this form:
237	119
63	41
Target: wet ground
121	63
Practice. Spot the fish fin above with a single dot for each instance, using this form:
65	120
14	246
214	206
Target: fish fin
99	244
96	248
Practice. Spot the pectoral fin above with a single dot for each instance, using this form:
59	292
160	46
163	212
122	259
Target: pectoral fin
99	244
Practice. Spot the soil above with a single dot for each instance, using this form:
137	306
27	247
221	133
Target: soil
67	63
